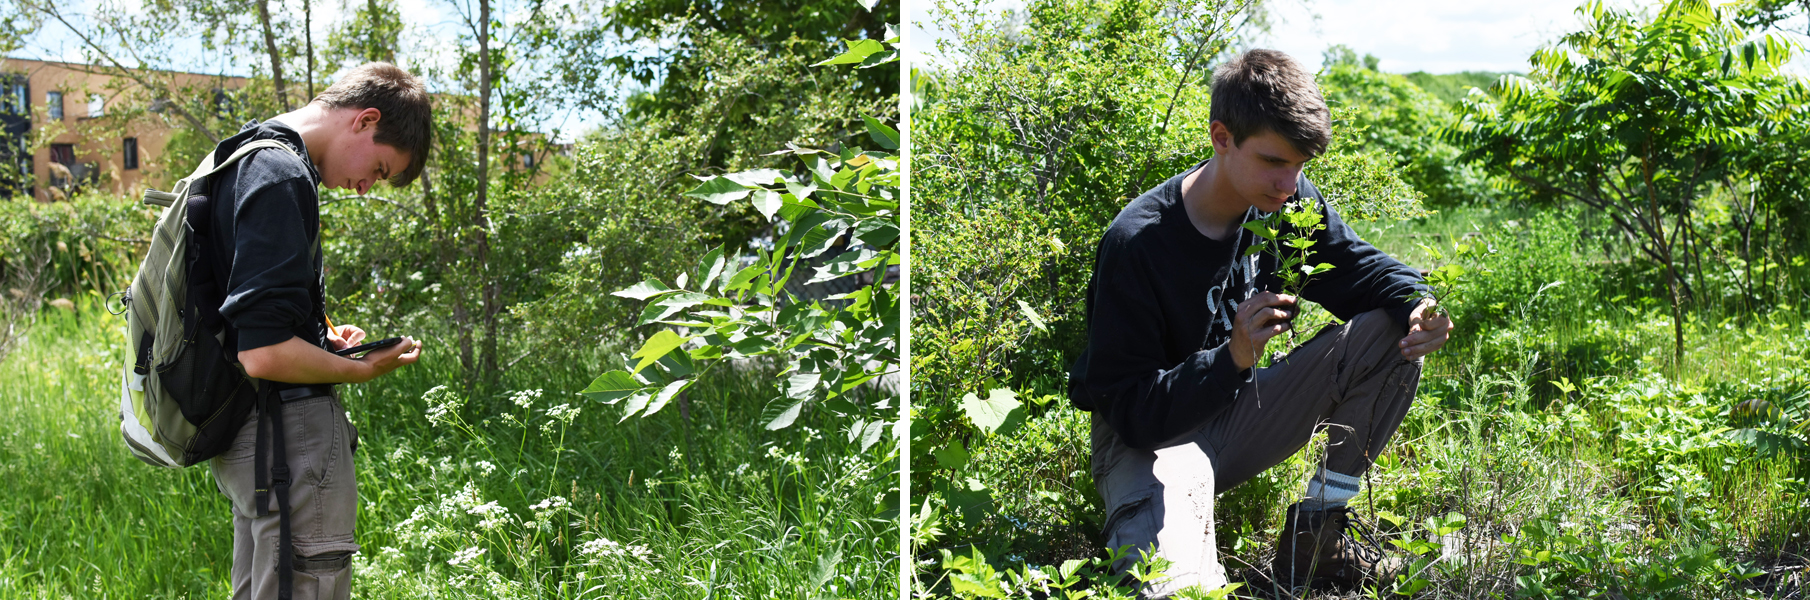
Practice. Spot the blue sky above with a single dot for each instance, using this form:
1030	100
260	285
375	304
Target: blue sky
1437	36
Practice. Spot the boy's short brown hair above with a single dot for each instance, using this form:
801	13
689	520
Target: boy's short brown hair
407	121
1265	89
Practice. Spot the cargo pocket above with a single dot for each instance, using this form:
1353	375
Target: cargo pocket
326	575
1133	524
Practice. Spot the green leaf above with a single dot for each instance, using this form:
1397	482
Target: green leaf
644	290
801	191
711	264
872	435
635	404
886	137
992	415
858	50
1031	313
952	456
842	178
875	232
666	395
670	305
800	386
657	346
720	190
1316	269
780	413
612	387
744	278
768	202
845	264
879	58
756	177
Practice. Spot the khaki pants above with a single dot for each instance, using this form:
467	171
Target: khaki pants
323	501
1349	375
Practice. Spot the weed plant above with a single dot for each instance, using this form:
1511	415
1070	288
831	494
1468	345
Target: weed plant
530	492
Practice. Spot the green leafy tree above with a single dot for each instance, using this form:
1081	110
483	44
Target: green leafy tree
1635	117
1389	113
837	215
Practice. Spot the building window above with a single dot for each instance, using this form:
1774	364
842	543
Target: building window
54	102
97	106
130	154
62	154
18	97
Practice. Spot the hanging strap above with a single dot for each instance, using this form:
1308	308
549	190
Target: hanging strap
275	478
208	168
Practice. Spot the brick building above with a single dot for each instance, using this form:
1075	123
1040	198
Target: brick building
70	101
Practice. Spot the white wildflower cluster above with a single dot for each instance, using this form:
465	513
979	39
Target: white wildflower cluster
796	459
444	522
442	405
467	555
599	549
563	414
852	471
673	456
485	468
545	509
525	398
493	516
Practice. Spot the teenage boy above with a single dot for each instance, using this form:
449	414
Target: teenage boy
373	124
1178	315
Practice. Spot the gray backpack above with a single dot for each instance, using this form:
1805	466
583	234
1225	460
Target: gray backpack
181	400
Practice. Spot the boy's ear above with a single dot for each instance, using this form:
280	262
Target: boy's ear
365	119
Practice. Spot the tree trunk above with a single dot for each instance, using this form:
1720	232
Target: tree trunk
481	217
308	44
276	59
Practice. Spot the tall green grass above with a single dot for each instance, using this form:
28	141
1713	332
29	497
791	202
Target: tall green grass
506	494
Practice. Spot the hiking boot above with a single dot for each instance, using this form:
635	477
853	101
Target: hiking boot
1324	547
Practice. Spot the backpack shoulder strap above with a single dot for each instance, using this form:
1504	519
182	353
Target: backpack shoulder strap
207	168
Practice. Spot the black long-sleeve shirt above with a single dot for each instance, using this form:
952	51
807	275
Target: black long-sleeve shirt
266	216
1160	304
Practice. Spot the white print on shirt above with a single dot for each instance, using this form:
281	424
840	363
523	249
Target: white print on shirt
1240	276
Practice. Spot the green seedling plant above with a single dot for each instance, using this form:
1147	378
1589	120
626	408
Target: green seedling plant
1445	282
1287	236
1426	552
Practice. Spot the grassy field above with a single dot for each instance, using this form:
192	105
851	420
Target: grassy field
1553	451
530	492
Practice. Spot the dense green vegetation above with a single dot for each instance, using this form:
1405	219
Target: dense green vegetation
485	473
1560	447
544	496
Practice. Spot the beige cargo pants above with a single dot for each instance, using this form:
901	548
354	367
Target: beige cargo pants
1351	375
323	503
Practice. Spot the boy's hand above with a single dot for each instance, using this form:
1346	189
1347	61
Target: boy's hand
1428	329
1263	316
345	336
384	360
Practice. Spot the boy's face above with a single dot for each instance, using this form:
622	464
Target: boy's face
354	161
1263	168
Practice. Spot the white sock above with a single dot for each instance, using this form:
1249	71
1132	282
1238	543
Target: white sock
1329	490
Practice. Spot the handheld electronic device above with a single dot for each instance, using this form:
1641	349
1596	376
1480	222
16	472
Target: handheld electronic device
384	343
